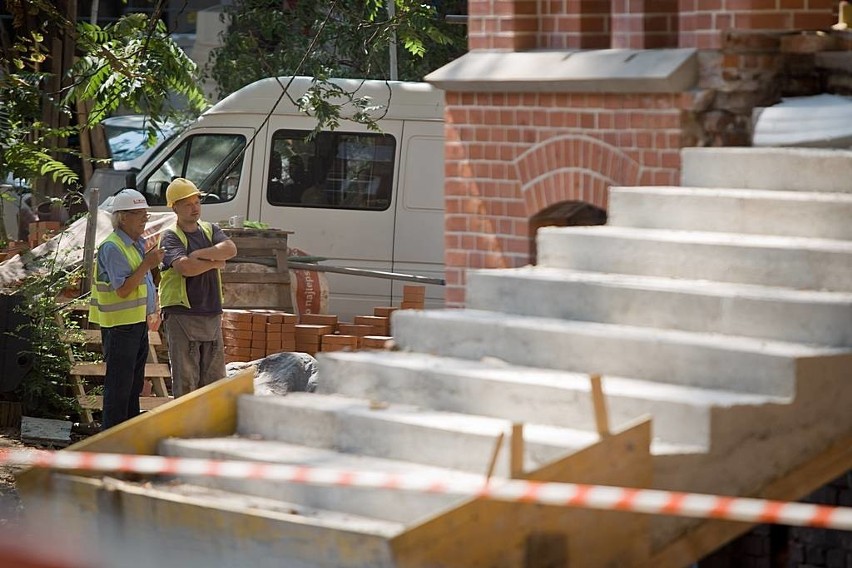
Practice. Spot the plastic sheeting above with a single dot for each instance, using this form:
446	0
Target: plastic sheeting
65	250
820	121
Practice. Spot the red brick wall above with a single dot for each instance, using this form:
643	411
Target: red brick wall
508	156
704	22
641	24
644	24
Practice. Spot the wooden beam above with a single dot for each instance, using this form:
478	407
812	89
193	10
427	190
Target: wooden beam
517	450
710	535
99	370
496	452
96	402
599	402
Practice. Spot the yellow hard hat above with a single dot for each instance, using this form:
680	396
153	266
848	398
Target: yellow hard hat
180	188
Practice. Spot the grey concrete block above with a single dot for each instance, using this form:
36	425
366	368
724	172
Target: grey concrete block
693	305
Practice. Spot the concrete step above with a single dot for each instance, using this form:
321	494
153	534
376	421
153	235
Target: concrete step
394	506
783	169
320	517
209	527
681	415
402	432
705	360
784	314
747	211
790	262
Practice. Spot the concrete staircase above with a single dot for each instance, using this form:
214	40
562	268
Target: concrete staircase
722	311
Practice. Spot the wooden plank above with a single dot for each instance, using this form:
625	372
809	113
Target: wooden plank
10	414
158	385
496	452
94	336
262	243
516	451
482	532
700	541
207	412
99	370
96	402
599	402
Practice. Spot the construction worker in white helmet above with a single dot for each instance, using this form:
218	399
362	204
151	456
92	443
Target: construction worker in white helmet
190	290
124	304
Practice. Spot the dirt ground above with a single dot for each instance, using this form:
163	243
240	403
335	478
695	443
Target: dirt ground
11	509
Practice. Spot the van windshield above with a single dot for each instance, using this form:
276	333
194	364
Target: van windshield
212	161
339	170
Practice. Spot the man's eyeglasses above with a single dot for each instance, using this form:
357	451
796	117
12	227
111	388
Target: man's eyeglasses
140	212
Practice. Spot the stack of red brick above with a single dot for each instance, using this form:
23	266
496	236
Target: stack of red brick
254	334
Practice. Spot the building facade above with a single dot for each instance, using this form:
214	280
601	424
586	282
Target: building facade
559	100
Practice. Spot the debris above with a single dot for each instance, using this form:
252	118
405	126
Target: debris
45	431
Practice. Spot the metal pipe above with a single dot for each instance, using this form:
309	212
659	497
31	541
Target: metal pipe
266	261
365	272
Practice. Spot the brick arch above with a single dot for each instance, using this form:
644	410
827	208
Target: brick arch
573	168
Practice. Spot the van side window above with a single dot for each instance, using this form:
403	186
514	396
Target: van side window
336	170
212	161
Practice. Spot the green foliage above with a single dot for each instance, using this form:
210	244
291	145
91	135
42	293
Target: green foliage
130	64
46	391
133	64
333	38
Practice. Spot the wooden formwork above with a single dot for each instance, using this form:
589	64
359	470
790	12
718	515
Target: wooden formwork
484	532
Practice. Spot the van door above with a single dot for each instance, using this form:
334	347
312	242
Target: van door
419	236
336	193
216	160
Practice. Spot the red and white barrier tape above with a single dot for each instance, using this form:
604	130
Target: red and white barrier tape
562	494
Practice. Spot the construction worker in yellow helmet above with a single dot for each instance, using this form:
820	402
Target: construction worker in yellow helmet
190	290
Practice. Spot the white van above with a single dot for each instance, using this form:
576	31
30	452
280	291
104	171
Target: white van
358	198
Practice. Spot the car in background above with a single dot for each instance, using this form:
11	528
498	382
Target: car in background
127	138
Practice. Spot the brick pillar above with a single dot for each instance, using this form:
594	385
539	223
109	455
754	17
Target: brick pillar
502	24
644	24
512	155
575	24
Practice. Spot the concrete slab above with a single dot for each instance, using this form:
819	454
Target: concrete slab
404	432
746	211
490	387
782	169
704	360
45	431
565	71
395	506
792	262
784	314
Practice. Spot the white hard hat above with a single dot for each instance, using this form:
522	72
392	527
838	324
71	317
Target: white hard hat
128	199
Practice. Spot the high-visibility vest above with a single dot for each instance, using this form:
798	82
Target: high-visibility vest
172	287
106	307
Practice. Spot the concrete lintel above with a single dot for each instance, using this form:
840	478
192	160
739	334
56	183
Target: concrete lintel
580	71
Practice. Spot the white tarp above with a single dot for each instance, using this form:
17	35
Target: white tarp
65	250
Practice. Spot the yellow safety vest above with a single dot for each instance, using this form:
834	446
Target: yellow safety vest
172	287
106	307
